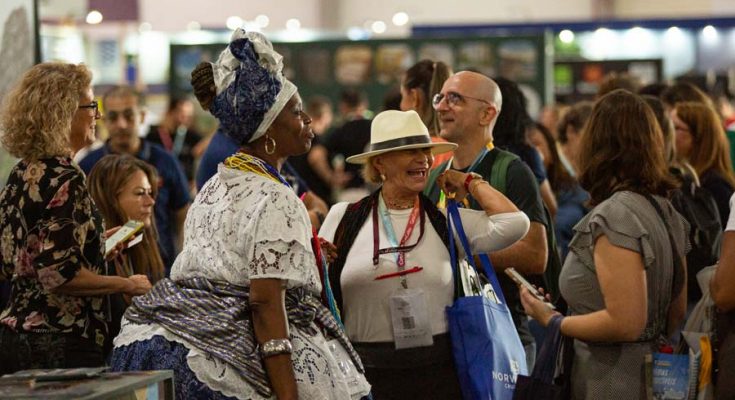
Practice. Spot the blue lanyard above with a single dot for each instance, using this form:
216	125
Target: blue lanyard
390	233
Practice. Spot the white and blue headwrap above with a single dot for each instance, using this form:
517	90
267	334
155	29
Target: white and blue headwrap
251	88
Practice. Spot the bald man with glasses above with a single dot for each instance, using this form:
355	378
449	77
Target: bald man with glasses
122	117
467	107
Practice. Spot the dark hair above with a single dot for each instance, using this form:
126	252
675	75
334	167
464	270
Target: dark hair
559	177
653	89
664	123
684	91
176	101
124	91
576	117
513	120
352	98
428	77
618	80
392	100
621	149
315	106
105	181
202	80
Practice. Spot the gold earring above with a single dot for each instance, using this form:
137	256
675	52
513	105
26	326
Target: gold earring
383	177
273	148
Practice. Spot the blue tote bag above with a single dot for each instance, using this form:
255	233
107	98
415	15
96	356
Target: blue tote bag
488	353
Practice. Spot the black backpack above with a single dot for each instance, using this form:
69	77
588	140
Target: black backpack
698	207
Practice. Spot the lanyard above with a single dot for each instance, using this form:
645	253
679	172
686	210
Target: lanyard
442	197
400	248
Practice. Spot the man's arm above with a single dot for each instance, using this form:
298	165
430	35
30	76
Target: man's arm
527	255
316	207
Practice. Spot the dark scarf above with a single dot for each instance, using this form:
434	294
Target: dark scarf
355	217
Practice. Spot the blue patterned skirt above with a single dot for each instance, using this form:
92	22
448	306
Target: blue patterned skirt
158	353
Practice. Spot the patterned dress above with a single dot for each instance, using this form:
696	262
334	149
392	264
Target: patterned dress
49	229
241	227
628	220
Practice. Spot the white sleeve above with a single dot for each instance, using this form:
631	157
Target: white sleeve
332	220
731	220
492	233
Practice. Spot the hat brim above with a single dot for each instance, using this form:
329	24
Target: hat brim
436	148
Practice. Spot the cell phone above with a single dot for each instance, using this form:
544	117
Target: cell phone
520	280
123	234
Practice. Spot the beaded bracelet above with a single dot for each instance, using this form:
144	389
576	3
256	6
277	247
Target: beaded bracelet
275	347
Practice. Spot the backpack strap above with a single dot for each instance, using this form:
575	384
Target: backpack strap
499	170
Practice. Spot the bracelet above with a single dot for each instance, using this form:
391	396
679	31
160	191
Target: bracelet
275	347
479	182
470	177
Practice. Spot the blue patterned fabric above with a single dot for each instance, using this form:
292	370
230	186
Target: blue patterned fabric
215	317
240	108
158	353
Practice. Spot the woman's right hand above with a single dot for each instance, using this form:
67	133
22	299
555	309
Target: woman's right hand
140	285
535	308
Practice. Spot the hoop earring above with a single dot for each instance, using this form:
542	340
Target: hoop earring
269	139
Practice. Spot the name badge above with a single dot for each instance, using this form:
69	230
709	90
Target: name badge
410	318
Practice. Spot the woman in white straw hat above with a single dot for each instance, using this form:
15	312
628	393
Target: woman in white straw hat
383	264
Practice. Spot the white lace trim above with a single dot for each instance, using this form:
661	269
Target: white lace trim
312	361
243	226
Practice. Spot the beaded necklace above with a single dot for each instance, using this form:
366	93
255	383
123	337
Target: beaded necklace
245	162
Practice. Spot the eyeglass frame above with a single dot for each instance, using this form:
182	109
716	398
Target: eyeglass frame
437	99
94	105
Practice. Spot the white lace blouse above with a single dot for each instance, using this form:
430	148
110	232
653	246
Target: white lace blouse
241	227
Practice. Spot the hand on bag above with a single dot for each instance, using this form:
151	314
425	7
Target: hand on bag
535	308
328	249
141	285
451	181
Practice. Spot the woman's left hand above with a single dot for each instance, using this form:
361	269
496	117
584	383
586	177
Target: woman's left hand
451	181
535	308
328	249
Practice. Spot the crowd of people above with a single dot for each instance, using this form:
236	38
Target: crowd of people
271	261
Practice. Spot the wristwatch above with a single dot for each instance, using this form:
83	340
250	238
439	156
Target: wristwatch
470	177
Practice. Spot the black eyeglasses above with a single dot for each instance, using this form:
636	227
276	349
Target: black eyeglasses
93	105
128	114
453	99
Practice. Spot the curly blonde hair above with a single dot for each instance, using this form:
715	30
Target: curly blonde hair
37	113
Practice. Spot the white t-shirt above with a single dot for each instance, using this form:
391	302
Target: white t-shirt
731	220
366	301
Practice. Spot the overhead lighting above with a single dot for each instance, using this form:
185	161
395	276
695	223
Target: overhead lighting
193	26
378	27
293	24
356	33
674	30
400	18
233	22
145	27
262	20
709	32
94	17
566	36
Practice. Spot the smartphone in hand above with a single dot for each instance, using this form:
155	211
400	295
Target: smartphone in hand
520	280
123	234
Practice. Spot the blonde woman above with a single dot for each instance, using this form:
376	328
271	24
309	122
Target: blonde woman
51	233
